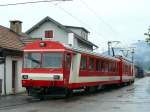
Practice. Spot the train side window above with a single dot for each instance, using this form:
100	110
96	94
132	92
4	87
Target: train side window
123	68
83	63
110	67
116	67
102	66
126	69
106	67
68	60
113	67
98	65
91	64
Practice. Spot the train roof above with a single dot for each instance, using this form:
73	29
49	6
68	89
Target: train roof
35	46
91	53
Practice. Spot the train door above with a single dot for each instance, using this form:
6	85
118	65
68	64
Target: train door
68	58
75	66
120	68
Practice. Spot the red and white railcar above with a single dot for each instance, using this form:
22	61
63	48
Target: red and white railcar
52	68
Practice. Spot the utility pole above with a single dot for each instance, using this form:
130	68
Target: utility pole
109	42
132	53
128	53
125	52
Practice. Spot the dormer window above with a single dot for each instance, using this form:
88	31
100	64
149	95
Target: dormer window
48	34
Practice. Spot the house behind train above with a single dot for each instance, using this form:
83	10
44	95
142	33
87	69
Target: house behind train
50	29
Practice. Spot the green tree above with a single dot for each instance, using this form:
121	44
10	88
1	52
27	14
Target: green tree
148	36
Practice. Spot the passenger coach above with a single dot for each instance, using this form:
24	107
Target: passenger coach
51	68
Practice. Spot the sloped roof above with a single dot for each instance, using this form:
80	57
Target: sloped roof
26	39
61	26
78	28
9	39
45	20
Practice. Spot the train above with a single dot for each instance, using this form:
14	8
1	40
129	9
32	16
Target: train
139	72
52	68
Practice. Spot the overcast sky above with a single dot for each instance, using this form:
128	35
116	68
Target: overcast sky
122	20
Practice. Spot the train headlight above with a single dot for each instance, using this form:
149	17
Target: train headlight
56	77
42	44
24	76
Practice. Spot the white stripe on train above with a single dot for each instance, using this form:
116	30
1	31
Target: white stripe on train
38	76
43	76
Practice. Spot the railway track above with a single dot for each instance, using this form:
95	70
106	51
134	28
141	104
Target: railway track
26	100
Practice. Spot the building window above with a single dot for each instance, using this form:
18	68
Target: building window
83	63
49	34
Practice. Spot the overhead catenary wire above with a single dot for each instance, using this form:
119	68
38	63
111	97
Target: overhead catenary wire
44	1
98	17
77	19
50	1
32	2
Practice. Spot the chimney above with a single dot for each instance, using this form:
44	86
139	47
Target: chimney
16	26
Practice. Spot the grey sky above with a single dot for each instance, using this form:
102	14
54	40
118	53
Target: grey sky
128	18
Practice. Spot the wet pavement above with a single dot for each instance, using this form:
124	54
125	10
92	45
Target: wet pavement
133	98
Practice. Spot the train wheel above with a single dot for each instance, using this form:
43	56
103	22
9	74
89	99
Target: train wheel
69	93
132	81
129	83
91	89
42	98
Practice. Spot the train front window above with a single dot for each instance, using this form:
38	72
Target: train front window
32	60
52	60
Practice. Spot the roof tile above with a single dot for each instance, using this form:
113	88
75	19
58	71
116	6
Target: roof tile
10	39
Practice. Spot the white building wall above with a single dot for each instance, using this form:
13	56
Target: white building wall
76	43
18	84
71	39
80	32
8	75
59	34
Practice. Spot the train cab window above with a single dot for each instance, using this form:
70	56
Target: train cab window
32	60
98	65
68	60
83	63
52	60
91	64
